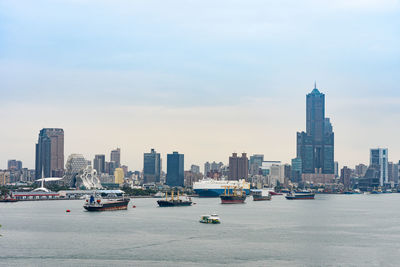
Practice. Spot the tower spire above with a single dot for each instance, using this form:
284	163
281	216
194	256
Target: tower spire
315	84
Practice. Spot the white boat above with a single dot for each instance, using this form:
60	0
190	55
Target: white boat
214	188
212	219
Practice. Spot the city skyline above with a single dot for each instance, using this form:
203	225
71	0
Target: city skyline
206	73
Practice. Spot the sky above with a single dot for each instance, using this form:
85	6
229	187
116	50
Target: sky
205	78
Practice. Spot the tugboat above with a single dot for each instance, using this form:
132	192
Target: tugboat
8	198
96	203
172	202
233	198
211	219
258	196
293	196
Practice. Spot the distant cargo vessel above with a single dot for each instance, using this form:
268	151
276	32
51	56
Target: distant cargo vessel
174	202
233	196
215	188
293	196
96	203
260	195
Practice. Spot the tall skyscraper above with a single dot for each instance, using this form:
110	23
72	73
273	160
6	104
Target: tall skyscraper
315	147
151	167
379	157
195	169
99	163
238	167
255	163
14	164
116	157
50	153
175	172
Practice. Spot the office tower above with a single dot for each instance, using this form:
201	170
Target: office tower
360	170
255	163
195	169
336	169
238	167
110	167
14	164
119	176
99	163
151	167
207	169
116	157
345	175
175	172
50	153
379	157
315	147
296	170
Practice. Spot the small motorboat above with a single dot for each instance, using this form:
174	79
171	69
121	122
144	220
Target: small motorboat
212	219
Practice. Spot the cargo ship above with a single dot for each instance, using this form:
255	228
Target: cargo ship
233	196
174	202
294	196
96	203
259	195
214	188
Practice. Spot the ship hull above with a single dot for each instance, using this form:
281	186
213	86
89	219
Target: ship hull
115	205
214	192
261	198
167	203
232	199
300	197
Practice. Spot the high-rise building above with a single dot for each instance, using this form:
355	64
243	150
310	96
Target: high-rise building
75	163
296	170
345	175
99	163
255	163
151	167
119	176
175	171
207	169
14	164
195	169
379	157
110	167
50	153
315	147
336	169
238	167
393	173
360	170
116	157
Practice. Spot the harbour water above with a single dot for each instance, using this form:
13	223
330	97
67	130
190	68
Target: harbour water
332	230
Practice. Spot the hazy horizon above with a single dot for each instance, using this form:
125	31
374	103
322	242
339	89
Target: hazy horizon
202	78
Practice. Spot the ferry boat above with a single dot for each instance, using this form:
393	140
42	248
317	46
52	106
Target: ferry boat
293	196
259	195
214	188
211	219
234	196
174	202
97	203
8	198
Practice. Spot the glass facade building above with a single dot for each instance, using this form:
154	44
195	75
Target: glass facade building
175	169
315	147
151	167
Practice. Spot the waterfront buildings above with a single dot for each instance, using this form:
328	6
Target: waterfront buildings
238	167
192	177
255	163
99	163
14	164
50	153
379	157
116	157
75	163
212	169
151	167
315	147
296	170
195	169
175	171
360	170
393	174
119	176
345	177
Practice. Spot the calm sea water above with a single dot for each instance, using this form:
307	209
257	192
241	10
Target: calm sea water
332	230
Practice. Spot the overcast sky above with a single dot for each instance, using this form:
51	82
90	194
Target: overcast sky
205	78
